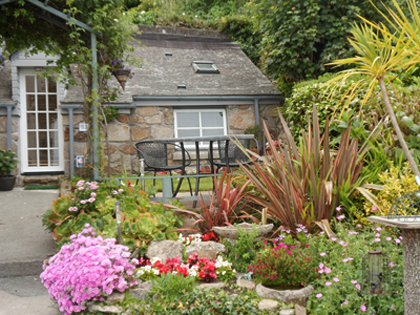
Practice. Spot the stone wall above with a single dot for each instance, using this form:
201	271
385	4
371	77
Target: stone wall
152	123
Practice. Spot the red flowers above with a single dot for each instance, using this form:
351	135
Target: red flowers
209	237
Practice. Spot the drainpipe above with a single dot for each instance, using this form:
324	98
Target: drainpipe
95	104
71	141
257	119
70	109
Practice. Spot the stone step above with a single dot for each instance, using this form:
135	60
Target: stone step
47	180
21	268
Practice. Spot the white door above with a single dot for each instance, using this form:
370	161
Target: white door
41	126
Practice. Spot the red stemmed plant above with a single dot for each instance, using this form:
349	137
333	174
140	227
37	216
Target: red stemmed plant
225	201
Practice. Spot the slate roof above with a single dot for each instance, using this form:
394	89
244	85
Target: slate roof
161	75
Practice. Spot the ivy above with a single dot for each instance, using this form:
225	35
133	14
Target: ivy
301	36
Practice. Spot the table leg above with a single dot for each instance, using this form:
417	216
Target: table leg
197	183
183	172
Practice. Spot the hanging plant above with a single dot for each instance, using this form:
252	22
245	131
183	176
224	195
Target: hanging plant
121	72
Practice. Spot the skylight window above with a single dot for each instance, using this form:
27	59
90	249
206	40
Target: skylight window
204	67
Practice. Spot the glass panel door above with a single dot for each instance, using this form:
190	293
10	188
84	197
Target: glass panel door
41	126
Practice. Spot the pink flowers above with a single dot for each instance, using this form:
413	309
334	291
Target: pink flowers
358	287
397	241
363	308
354	281
322	254
318	295
348	259
328	283
87	269
336	280
340	217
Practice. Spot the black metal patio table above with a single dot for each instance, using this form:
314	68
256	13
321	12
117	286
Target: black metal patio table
197	140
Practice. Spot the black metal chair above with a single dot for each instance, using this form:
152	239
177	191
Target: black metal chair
230	154
155	155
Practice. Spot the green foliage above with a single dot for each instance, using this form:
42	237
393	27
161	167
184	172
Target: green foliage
142	220
300	37
242	30
169	286
286	266
305	95
8	162
243	252
204	302
343	256
396	182
110	112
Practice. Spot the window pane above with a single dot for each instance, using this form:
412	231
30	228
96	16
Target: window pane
53	139
213	132
40	84
43	143
54	157
212	119
31	139
42	121
31	121
52	85
186	119
32	158
53	123
30	83
52	102
189	133
42	103
30	102
43	157
206	66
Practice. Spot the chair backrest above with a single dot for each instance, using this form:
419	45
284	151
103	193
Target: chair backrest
229	149
155	154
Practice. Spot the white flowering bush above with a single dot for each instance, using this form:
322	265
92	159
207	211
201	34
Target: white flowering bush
224	269
86	270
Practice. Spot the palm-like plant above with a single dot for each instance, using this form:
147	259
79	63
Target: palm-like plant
380	54
304	183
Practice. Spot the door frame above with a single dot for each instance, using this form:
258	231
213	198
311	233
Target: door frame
23	146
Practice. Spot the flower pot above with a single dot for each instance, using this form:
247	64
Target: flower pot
299	296
7	183
231	232
121	76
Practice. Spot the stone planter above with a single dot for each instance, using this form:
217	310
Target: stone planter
231	232
299	297
7	183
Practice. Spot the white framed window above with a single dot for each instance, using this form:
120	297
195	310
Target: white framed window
199	123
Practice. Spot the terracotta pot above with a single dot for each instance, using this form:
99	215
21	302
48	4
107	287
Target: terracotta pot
7	183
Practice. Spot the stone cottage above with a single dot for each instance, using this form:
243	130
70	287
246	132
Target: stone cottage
192	83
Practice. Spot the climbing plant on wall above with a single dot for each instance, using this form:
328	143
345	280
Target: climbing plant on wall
27	27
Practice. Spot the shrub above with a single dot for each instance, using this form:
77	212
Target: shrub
285	266
91	203
395	183
88	269
168	286
243	252
339	288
